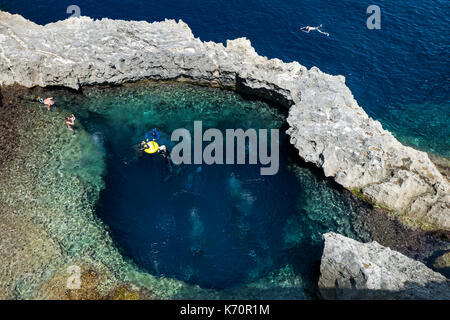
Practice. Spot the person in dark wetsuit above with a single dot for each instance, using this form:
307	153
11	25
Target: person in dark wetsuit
165	153
153	135
162	150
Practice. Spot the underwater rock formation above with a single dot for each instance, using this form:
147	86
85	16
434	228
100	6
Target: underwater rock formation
327	126
353	270
442	261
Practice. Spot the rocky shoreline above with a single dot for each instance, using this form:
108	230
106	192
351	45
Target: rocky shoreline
327	126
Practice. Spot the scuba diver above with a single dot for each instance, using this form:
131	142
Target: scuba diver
165	153
152	135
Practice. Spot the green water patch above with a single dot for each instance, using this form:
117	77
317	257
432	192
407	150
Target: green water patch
50	185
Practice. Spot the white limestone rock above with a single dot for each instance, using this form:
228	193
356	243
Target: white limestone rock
353	270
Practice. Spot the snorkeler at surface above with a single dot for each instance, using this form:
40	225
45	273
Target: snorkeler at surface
70	121
48	102
308	29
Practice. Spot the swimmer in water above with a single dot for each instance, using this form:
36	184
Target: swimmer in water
47	102
70	121
144	145
308	29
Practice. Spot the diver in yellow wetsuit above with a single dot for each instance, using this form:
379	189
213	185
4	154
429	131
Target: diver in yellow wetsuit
149	146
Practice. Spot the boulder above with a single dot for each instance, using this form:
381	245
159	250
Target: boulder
353	270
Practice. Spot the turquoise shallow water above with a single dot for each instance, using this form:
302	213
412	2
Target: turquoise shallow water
429	121
218	226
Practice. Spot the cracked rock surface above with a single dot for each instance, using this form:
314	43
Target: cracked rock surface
327	126
353	270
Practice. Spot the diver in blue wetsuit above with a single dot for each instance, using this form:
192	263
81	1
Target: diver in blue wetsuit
152	135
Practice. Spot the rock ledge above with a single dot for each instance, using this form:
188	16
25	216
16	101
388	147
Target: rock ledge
327	126
353	270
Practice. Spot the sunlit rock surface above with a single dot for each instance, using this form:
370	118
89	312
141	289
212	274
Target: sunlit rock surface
327	126
353	270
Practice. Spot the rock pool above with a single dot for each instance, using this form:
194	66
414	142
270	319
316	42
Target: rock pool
218	226
222	227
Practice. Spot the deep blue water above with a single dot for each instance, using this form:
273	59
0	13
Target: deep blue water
399	74
217	226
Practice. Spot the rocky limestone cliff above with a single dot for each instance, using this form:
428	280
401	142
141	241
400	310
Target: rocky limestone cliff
327	126
353	270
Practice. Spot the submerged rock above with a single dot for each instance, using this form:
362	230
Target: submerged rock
353	270
327	125
442	261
